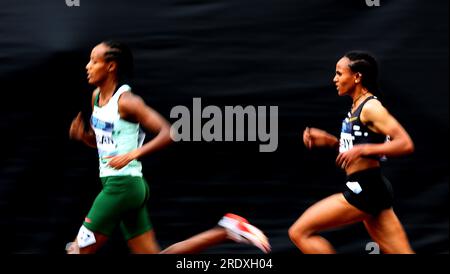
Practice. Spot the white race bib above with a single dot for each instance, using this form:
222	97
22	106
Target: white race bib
345	142
103	135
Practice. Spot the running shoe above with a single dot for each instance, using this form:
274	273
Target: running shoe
241	231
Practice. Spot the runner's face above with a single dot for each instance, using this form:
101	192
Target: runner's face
98	69
344	79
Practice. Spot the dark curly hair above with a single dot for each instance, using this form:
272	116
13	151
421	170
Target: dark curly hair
366	64
121	54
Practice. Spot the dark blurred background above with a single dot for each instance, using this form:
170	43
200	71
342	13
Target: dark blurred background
253	52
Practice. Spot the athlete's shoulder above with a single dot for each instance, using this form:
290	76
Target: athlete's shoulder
373	104
129	100
129	95
373	110
94	95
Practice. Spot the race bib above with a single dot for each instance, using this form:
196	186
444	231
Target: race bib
103	134
346	140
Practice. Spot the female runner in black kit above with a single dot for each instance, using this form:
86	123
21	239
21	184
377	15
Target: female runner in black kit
368	195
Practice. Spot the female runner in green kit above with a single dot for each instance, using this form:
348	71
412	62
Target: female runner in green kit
115	131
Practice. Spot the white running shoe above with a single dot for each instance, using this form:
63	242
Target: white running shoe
72	248
241	231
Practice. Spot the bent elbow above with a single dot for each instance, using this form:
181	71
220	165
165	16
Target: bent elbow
167	133
409	147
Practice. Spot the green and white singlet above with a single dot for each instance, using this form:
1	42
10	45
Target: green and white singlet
115	136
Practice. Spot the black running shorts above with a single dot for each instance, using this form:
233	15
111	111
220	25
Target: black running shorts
369	191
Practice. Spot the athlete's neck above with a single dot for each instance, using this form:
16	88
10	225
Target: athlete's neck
358	96
107	89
